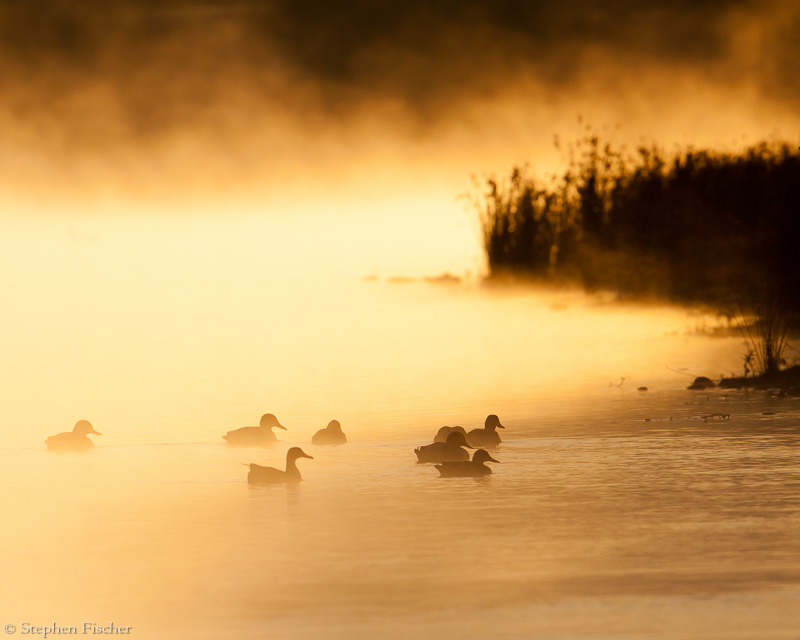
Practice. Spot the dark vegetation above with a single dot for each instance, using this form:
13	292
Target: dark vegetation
694	227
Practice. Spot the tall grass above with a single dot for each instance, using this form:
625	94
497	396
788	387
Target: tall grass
523	224
765	321
689	226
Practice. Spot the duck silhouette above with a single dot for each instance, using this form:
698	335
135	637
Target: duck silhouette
441	435
449	451
332	434
488	436
75	440
255	436
474	468
271	475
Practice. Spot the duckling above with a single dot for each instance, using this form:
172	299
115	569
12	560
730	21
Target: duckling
488	436
474	468
75	440
444	451
271	475
441	435
255	436
332	434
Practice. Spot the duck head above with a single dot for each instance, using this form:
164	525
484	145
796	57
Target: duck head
492	422
334	425
482	455
269	420
84	427
296	452
457	439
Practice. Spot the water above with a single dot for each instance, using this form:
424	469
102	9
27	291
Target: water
613	513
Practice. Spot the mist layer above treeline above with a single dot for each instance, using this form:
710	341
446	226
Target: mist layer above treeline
689	226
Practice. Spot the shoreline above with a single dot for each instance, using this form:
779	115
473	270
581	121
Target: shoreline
787	380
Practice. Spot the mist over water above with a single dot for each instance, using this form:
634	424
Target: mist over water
174	96
611	511
213	211
147	320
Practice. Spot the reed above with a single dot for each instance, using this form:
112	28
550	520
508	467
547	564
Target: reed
766	320
687	226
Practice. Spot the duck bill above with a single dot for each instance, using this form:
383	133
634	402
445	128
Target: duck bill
97	433
305	455
493	460
280	426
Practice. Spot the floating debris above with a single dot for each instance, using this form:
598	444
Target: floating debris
716	417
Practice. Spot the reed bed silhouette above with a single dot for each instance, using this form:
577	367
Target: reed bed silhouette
688	226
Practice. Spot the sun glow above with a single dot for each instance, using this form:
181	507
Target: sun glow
212	211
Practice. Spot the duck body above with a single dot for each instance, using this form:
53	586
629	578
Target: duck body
474	468
332	434
75	440
488	436
441	435
255	436
270	475
449	451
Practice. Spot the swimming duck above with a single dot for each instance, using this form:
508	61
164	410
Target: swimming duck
255	436
474	468
444	451
488	436
75	440
271	475
441	435
332	434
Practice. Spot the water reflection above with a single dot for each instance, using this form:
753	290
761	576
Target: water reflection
588	523
610	507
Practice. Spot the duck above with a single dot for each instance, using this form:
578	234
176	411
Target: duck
332	434
441	435
75	440
488	436
449	451
474	468
255	436
271	475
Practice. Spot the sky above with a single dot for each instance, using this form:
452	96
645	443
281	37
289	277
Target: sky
172	95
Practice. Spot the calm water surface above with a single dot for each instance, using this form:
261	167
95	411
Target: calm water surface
613	513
